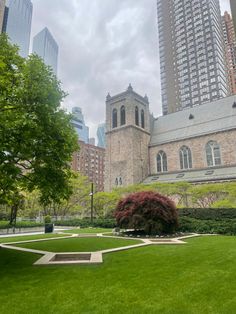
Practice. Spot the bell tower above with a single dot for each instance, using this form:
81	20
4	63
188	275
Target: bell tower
127	136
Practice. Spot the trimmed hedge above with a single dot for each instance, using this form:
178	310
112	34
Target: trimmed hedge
20	224
223	226
84	223
208	213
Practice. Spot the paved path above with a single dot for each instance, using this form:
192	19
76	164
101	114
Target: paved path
49	258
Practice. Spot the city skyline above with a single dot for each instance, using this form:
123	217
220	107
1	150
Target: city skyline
98	54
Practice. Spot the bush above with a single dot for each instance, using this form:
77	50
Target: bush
148	211
47	219
208	213
20	224
84	223
224	226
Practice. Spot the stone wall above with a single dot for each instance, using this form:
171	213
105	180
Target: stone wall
226	140
127	145
126	157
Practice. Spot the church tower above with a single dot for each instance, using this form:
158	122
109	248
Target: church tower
127	136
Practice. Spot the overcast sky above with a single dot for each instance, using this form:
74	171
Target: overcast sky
103	46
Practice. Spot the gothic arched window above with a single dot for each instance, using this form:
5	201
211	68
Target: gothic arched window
114	118
161	162
136	116
122	115
213	154
142	119
185	157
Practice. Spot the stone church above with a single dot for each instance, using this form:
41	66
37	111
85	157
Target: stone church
195	145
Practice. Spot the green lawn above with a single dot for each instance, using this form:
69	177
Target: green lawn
88	230
197	278
30	237
79	244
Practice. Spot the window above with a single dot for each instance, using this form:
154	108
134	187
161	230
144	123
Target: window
136	116
118	181
122	115
161	162
114	118
213	154
185	158
142	119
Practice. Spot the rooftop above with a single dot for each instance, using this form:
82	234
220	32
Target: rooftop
195	176
201	120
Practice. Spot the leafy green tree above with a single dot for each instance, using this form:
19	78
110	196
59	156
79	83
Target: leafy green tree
206	195
105	203
36	137
79	200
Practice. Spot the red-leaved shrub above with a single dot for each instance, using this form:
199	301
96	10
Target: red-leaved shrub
149	211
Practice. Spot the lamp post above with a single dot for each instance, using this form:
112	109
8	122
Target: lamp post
91	194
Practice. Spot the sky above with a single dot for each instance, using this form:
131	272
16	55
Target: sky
103	46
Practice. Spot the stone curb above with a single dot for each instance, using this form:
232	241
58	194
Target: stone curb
48	258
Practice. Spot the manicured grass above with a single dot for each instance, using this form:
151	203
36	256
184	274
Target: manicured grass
79	244
197	278
30	237
88	230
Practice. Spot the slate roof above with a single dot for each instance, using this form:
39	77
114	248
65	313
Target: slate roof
205	119
203	175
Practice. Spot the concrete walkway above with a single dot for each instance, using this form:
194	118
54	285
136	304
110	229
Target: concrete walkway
51	258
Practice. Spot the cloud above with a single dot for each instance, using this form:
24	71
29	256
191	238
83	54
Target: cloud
103	46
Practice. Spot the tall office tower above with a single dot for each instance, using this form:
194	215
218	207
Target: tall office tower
5	17
101	135
233	9
79	124
2	10
230	47
45	46
17	20
192	54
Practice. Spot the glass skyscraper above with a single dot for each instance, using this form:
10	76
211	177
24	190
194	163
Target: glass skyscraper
2	10
18	23
79	124
192	53
101	135
45	46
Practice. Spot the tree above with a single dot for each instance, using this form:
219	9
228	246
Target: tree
148	211
79	200
36	137
105	203
206	195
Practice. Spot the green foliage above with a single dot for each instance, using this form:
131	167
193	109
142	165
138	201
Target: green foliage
206	195
105	203
84	223
223	226
36	137
79	200
208	213
47	219
20	224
